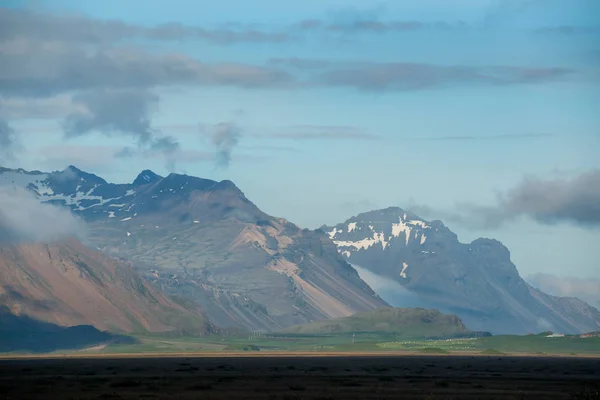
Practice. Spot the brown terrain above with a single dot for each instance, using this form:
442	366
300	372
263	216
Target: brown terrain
286	377
69	284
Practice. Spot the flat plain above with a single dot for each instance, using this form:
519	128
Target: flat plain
301	376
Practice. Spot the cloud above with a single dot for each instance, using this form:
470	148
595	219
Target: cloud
401	76
122	112
372	25
516	136
38	108
572	200
586	289
8	141
570	30
24	219
40	68
17	23
224	136
317	132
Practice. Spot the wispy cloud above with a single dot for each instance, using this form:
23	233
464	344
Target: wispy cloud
569	30
402	76
516	136
224	136
321	132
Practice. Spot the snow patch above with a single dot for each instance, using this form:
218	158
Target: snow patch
351	226
403	272
378	237
111	214
125	219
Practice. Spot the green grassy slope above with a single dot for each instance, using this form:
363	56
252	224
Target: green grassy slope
404	322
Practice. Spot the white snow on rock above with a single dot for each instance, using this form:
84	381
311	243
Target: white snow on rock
403	272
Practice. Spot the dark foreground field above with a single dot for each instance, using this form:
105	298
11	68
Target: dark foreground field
334	377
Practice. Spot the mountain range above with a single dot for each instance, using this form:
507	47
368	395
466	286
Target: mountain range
203	244
205	241
476	281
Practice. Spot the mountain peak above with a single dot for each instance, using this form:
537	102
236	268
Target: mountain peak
145	177
74	174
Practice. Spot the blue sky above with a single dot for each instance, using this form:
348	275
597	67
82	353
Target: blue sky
346	106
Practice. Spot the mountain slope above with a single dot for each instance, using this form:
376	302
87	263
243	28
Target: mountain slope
206	241
405	322
476	281
68	284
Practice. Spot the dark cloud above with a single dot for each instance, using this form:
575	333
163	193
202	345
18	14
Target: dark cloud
575	200
586	289
315	132
24	219
224	136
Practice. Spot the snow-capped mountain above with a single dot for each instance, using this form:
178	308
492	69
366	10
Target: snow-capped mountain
204	240
477	280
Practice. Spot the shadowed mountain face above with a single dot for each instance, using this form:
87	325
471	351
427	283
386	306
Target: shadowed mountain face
68	284
477	281
21	333
205	241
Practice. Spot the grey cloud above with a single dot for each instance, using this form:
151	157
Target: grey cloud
125	112
16	23
24	219
315	132
176	31
575	200
586	289
38	68
224	136
8	141
42	108
20	23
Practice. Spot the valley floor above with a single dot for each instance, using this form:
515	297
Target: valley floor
301	377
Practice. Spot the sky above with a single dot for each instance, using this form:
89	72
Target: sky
483	114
